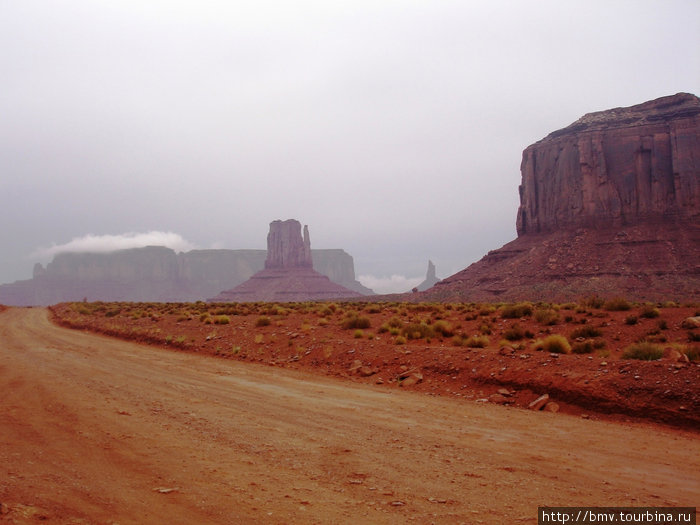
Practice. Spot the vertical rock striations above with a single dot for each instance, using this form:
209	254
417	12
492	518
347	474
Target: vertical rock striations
285	246
615	168
609	205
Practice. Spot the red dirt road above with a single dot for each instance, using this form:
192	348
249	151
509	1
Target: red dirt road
96	430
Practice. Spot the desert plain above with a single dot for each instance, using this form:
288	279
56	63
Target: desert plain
345	412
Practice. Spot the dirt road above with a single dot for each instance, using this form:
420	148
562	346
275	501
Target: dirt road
96	430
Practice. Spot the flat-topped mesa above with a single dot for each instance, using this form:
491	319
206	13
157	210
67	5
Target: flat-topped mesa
613	168
285	246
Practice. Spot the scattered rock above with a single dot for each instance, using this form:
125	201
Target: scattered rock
355	366
505	392
164	490
366	371
499	399
539	403
551	407
691	322
412	379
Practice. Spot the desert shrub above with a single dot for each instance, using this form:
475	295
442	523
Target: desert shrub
649	312
417	331
582	347
569	319
586	332
325	311
693	353
459	340
645	351
547	316
222	319
395	322
662	324
323	322
693	337
631	320
514	333
485	329
263	321
383	329
443	328
359	334
355	321
587	347
516	311
617	304
656	338
399	340
555	344
373	309
593	302
487	310
477	341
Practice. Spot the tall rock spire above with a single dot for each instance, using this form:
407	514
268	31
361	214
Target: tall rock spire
285	246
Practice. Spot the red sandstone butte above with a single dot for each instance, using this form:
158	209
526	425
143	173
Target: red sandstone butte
288	274
609	205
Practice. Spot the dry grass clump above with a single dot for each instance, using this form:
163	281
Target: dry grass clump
516	311
355	321
649	312
263	321
443	328
645	351
547	316
474	341
586	332
555	344
417	331
617	304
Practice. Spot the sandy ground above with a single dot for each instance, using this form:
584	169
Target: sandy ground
96	430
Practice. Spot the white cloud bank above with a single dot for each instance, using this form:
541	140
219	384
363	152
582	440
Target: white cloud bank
109	243
393	284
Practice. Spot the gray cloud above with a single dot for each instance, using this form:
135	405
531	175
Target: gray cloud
393	129
109	243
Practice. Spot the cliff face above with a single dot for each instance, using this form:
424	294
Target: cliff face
609	205
614	168
156	274
285	246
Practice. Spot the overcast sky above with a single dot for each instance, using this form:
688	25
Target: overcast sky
394	129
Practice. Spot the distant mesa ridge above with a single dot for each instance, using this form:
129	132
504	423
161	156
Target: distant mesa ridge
157	273
609	205
288	274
